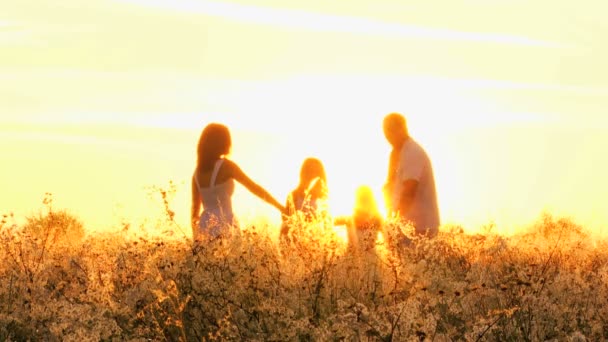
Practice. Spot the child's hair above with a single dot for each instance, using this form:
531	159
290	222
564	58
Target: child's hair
303	199
365	210
313	181
365	223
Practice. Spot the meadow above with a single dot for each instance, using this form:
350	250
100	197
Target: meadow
59	283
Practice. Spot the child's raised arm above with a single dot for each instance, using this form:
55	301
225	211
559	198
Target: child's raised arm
343	221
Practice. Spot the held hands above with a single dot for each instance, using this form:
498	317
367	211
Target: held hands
285	215
194	222
342	221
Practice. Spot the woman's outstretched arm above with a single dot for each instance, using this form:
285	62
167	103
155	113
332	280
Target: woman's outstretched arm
195	210
290	207
252	186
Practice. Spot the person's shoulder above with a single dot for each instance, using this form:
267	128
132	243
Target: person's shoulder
229	164
230	169
415	144
412	148
417	148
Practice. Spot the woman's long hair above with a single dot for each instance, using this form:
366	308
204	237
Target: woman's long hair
213	143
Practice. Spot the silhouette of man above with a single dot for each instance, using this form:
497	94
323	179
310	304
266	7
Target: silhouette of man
410	187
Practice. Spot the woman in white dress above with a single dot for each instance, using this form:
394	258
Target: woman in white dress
213	186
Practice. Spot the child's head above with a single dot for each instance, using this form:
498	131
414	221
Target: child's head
312	170
366	214
365	201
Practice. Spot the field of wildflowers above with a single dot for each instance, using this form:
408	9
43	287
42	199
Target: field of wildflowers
549	282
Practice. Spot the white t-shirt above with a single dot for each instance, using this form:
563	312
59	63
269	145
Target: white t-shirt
415	164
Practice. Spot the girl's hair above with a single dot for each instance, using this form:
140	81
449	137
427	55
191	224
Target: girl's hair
365	203
213	143
312	170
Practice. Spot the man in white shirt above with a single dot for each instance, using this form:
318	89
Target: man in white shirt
410	188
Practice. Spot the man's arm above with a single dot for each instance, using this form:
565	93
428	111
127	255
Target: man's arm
410	187
388	201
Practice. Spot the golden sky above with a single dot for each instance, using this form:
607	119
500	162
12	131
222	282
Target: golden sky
508	97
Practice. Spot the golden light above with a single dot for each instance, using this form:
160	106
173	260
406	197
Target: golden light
342	234
512	116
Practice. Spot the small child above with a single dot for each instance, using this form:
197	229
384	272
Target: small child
365	223
307	198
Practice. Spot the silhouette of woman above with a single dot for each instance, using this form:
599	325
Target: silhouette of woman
213	186
307	198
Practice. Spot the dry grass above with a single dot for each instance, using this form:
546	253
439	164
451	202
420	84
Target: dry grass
550	283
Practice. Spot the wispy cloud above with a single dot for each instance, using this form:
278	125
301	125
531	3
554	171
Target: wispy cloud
298	19
489	84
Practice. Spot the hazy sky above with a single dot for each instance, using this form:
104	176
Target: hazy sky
157	58
458	69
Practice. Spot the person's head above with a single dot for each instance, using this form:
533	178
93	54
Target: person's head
395	129
213	143
366	210
312	170
365	201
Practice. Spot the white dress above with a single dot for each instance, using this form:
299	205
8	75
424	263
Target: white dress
217	218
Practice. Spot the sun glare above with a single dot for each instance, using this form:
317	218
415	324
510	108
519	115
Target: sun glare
106	234
293	81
